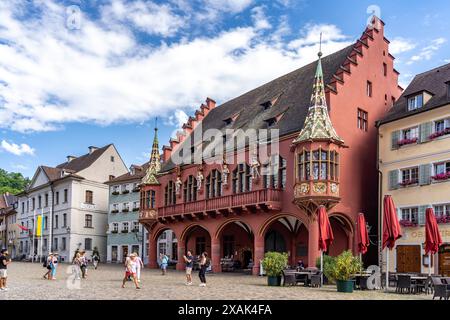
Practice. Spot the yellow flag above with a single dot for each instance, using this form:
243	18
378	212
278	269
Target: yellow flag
39	226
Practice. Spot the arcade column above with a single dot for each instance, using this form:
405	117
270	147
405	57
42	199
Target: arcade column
313	241
259	254
181	253
152	253
215	254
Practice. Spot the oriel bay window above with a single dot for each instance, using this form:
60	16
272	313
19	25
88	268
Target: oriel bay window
148	199
190	189
170	194
214	184
318	165
242	178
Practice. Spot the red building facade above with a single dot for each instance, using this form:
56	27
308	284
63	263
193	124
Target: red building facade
324	113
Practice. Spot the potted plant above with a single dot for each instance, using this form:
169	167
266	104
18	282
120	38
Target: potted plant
327	261
341	270
274	264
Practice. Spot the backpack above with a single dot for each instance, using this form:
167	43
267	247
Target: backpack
207	263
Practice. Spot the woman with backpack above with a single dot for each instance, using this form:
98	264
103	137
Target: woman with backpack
48	265
204	264
83	264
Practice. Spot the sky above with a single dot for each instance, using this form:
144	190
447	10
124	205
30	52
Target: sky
81	73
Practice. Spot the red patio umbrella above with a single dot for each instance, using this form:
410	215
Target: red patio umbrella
391	230
326	236
433	238
363	235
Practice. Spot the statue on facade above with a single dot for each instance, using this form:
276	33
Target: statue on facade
178	184
199	178
254	165
225	173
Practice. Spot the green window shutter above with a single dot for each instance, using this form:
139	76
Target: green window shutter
395	137
421	217
425	131
393	179
424	174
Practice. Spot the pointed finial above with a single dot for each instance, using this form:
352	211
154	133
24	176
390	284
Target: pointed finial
156	123
320	46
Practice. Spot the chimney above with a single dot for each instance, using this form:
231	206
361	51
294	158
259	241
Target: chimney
92	149
70	158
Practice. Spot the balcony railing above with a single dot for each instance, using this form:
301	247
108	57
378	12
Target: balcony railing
269	197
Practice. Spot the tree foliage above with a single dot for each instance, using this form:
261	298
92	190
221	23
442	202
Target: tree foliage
12	182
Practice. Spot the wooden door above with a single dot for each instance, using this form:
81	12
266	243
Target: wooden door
444	260
124	253
408	259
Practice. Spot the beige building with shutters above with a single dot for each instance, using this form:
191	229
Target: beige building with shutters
414	163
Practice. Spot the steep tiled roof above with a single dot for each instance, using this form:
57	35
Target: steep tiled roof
291	96
433	81
84	161
139	174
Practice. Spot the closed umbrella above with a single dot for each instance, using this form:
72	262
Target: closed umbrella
363	236
433	238
326	236
391	230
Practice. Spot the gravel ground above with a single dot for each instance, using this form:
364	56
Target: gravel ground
25	282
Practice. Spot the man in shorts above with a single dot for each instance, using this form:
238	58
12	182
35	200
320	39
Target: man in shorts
4	261
189	260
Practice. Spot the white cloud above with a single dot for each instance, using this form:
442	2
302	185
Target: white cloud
17	149
52	75
259	18
147	16
400	45
427	52
233	6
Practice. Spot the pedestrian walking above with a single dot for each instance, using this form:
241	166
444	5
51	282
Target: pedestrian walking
4	262
95	260
76	266
189	261
131	270
164	263
204	264
54	265
48	265
139	266
83	264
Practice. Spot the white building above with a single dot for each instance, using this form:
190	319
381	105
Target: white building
73	198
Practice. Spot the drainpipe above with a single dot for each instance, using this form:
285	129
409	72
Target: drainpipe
380	196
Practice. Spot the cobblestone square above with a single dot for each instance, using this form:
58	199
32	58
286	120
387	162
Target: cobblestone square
25	282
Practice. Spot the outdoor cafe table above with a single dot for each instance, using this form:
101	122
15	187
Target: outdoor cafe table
304	274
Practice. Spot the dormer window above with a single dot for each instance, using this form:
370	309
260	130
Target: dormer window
266	105
415	102
271	122
228	121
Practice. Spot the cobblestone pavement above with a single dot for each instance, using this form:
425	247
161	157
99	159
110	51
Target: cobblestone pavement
25	282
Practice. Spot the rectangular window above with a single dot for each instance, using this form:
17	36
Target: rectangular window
63	244
56	222
23	208
415	102
125	188
66	195
442	169
64	220
362	120
55	244
87	244
89	197
46	200
135	226
39	202
112	158
115	227
410	176
57	197
33	206
410	214
442	210
385	69
45	222
88	221
410	134
125	227
369	89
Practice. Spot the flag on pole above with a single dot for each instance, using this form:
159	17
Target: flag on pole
39	225
22	227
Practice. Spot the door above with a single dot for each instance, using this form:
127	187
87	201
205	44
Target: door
444	260
408	259
124	253
114	254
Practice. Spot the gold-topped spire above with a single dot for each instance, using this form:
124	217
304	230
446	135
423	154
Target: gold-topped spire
317	124
155	161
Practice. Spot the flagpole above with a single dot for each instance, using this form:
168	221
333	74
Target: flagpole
34	232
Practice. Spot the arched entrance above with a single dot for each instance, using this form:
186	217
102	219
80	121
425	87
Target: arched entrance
163	240
343	235
196	239
289	234
236	243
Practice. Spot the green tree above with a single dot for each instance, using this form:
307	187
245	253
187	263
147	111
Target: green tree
12	182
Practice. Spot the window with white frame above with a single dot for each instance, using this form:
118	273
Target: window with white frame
441	125
410	214
410	176
125	206
415	102
115	227
410	133
115	207
442	210
116	189
125	188
136	226
125	227
442	169
136	205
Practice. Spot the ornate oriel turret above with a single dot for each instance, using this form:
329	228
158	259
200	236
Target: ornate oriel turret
316	153
150	184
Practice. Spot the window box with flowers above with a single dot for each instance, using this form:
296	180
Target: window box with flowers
115	211
125	191
438	134
115	193
407	183
407	223
135	230
124	231
125	210
136	189
135	209
443	219
405	142
441	176
114	231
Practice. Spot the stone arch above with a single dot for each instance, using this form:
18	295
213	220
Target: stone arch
157	232
343	229
222	226
190	226
268	222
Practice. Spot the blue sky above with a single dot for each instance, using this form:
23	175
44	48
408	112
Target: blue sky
80	73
